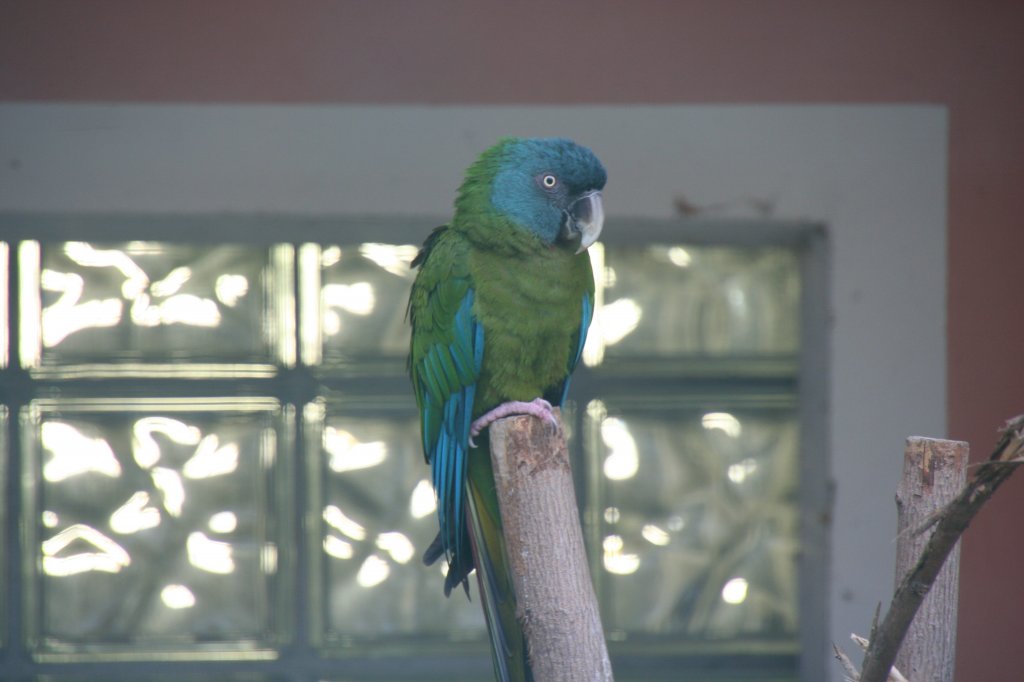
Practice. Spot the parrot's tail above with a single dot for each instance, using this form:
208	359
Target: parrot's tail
508	642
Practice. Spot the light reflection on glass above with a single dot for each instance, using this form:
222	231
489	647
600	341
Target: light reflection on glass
395	258
735	591
615	561
336	518
737	299
175	309
337	548
268	558
679	256
724	422
593	349
331	255
135	515
67	316
616	320
223	522
29	304
178	309
85	254
172	283
373	572
397	545
612	515
177	597
422	503
146	450
169	483
739	472
612	321
655	535
311	259
110	557
349	454
624	460
5	340
209	555
211	459
230	288
75	453
356	298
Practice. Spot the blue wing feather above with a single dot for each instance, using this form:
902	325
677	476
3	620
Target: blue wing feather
586	316
448	374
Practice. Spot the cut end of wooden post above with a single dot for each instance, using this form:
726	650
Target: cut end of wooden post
934	472
925	459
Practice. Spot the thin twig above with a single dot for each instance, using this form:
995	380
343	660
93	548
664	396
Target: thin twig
852	675
848	667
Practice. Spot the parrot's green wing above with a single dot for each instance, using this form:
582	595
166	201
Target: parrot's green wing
444	363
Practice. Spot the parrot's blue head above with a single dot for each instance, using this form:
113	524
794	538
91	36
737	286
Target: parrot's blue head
550	186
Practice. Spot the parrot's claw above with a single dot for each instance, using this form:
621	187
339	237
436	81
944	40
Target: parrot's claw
538	407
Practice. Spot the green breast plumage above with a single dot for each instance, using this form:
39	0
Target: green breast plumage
531	310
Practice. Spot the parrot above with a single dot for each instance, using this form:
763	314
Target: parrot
499	309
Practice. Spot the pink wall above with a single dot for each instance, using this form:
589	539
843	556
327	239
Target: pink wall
966	55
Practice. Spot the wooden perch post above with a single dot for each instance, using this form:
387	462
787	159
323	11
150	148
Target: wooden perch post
934	471
555	597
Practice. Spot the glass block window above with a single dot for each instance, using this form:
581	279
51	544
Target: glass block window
354	300
114	308
674	300
699	540
210	455
155	525
376	517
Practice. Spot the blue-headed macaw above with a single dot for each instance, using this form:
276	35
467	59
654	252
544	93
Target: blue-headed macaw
499	309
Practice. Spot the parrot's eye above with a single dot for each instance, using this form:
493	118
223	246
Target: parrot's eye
549	181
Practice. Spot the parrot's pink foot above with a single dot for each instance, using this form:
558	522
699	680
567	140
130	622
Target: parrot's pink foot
538	407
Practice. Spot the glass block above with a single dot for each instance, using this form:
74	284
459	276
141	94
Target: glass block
353	303
697	520
376	515
155	527
673	300
152	308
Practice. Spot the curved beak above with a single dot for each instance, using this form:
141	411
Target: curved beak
584	221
